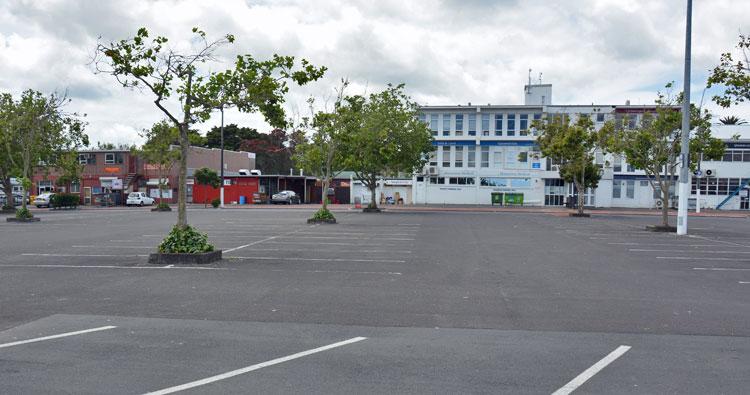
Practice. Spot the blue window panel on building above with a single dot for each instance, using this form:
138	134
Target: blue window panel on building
472	124
511	125
459	124
498	124
446	124
520	183
434	124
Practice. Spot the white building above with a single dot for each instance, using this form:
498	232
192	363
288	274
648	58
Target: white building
486	150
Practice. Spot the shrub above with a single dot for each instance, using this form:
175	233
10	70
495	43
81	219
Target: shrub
185	241
323	214
216	202
7	207
64	200
23	213
162	205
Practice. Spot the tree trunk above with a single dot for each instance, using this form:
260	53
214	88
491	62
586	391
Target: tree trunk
8	189
182	179
373	185
581	192
325	185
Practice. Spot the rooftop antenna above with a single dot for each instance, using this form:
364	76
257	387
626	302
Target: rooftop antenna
528	87
540	78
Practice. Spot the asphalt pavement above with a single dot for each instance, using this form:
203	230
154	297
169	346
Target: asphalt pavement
398	302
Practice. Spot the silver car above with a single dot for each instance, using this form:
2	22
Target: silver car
285	197
43	200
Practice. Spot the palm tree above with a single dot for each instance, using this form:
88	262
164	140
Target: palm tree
732	120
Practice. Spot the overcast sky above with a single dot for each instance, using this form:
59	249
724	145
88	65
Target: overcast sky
447	52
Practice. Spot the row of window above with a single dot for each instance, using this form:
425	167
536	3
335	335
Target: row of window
483	181
717	186
110	158
484	124
736	155
514	159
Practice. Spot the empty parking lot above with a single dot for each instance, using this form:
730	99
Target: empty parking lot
427	302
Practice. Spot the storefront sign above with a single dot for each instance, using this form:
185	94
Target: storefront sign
111	169
397	182
117	184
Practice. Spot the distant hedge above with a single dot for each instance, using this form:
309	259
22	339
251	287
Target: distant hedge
64	200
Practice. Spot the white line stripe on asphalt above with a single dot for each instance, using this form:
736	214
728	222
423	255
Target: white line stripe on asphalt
39	339
690	258
722	269
675	245
117	246
590	372
744	282
683	251
270	258
338	271
114	267
251	368
261	241
345	238
87	255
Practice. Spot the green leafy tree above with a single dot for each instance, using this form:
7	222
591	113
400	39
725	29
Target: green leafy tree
71	170
733	72
158	150
207	177
9	154
732	120
384	137
186	92
654	145
573	145
322	154
41	134
233	136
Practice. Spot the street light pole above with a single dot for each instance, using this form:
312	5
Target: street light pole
684	187
221	189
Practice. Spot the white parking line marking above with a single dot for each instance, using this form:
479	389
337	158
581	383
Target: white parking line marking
722	269
696	252
261	241
338	271
268	258
590	372
114	267
105	246
690	258
39	339
345	238
86	255
744	282
718	241
251	368
675	245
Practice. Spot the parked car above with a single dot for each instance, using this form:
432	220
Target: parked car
285	197
17	199
139	199
43	200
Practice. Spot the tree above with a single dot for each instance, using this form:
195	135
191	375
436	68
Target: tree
654	146
233	136
732	120
41	134
208	177
273	153
70	168
385	137
250	85
572	145
321	155
158	150
734	75
9	156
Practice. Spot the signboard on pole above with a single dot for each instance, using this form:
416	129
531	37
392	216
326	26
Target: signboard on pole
117	184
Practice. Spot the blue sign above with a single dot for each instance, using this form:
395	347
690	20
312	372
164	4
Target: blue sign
454	142
536	165
509	143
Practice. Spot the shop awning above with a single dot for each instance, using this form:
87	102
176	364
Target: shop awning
155	181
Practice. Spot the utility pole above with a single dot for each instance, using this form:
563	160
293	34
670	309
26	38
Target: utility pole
684	187
221	189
